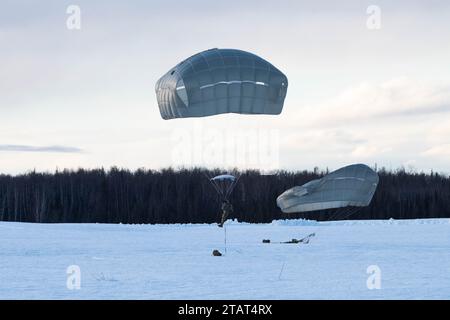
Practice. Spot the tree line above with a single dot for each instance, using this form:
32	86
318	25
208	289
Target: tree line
186	196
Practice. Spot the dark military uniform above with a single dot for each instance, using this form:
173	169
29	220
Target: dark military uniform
227	209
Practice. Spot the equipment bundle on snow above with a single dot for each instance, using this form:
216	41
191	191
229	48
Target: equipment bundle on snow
304	240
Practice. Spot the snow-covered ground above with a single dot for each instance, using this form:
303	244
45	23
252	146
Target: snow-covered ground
175	261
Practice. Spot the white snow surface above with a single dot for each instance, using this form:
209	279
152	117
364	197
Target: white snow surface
176	262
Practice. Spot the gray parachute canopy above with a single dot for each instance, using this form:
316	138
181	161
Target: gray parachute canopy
353	185
224	184
221	81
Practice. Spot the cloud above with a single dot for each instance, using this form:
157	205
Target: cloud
397	98
438	151
48	149
388	123
317	138
368	151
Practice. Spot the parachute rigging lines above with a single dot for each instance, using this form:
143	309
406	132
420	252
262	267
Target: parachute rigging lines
224	185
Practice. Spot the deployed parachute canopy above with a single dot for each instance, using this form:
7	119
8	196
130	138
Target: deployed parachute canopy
220	81
353	185
223	177
224	185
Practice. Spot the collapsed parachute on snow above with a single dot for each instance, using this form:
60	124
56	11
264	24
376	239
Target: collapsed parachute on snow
220	81
353	186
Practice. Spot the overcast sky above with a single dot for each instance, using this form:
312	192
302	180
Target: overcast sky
85	98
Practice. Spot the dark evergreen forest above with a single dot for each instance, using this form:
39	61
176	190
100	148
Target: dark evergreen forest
186	196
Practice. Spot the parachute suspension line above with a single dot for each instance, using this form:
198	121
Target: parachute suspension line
343	213
215	186
347	213
225	237
352	212
223	189
281	271
334	214
227	189
231	187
